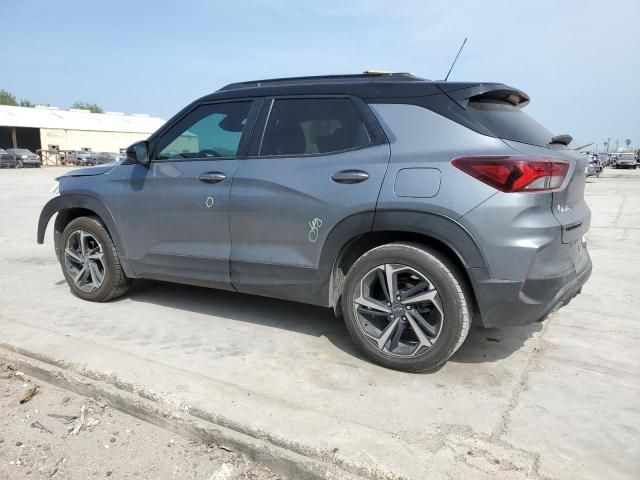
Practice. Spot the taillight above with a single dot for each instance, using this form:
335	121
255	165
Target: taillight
515	174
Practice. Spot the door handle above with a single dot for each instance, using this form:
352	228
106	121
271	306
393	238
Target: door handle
350	176
212	177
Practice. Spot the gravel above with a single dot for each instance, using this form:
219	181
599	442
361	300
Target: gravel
108	444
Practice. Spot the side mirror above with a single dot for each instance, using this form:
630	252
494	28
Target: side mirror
138	153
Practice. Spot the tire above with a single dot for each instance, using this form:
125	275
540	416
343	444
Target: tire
435	270
19	164
114	283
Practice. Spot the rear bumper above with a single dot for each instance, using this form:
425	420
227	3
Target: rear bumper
506	303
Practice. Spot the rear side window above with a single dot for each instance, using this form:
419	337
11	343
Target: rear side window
506	121
313	126
207	132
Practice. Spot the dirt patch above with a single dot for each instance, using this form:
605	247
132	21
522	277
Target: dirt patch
46	432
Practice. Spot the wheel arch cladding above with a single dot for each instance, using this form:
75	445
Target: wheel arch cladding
436	231
70	207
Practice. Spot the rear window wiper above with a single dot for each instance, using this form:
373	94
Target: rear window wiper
563	139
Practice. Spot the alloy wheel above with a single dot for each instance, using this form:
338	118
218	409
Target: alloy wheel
84	260
399	310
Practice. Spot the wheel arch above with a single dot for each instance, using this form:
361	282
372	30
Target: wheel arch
436	231
70	207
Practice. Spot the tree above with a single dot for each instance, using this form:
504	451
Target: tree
25	103
7	98
628	141
92	107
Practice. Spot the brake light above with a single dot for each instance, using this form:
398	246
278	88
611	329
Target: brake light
515	173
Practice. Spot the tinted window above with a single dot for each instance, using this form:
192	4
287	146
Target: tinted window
491	117
311	126
508	122
209	131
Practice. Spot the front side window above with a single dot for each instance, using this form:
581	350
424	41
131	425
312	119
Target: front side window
313	126
209	131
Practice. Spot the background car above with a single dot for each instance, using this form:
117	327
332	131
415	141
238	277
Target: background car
7	160
594	167
626	160
25	158
108	157
81	158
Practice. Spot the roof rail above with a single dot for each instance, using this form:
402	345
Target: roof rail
369	74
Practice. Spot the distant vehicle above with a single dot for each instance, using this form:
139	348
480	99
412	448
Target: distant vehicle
604	159
109	157
25	158
626	160
7	160
594	167
80	158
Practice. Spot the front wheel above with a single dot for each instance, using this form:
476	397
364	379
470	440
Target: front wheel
89	261
406	306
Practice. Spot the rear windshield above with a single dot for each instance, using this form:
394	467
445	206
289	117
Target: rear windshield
508	122
489	116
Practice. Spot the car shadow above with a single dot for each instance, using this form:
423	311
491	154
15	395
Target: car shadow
481	345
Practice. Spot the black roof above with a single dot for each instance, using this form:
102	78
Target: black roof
378	77
367	85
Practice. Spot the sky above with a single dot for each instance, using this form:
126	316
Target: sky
579	60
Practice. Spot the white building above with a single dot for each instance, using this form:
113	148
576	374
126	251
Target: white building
47	128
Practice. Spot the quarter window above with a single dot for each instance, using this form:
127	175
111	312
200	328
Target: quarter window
313	126
209	131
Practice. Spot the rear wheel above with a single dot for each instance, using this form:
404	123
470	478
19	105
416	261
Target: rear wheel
89	261
406	306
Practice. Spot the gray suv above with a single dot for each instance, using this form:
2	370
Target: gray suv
410	207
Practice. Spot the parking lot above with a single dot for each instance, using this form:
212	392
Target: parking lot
282	381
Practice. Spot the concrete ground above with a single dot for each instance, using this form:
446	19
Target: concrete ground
46	436
554	400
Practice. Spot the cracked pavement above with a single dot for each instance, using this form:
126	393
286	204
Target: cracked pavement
544	401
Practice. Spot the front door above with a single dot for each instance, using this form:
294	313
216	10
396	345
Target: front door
175	210
318	164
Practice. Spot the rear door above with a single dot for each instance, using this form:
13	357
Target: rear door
174	211
317	162
569	204
500	117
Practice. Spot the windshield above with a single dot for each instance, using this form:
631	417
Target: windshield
20	151
3	151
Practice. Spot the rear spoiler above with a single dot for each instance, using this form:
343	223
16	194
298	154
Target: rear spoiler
495	91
